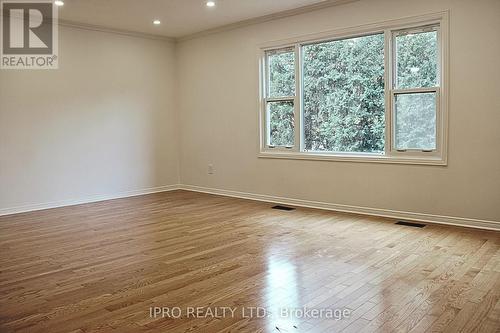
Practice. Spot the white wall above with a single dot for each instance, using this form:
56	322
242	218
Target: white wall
218	100
103	124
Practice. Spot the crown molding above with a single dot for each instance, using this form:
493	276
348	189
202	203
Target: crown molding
227	27
266	18
91	27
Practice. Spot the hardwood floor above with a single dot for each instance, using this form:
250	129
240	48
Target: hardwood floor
101	267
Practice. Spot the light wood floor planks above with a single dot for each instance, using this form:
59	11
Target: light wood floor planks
100	268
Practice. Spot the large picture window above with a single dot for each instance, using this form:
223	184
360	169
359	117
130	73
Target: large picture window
343	95
369	96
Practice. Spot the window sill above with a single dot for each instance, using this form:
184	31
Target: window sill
363	158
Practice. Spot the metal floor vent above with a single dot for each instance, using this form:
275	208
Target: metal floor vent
411	224
282	207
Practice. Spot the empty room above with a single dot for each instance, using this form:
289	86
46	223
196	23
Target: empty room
271	166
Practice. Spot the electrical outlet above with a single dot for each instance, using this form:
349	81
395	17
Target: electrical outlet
210	169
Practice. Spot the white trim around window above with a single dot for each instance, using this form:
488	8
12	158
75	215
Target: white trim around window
436	156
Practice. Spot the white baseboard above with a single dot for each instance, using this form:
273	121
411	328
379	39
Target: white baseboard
95	198
428	218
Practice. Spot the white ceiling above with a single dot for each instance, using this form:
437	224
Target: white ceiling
178	17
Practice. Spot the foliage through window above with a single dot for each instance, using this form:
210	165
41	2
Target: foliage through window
415	121
344	95
281	123
377	94
280	98
415	89
281	73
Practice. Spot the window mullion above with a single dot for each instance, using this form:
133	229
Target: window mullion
415	90
297	102
264	112
388	63
281	99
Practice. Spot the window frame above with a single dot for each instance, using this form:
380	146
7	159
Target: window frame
294	99
394	91
391	154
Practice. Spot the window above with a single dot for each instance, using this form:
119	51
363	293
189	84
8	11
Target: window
416	88
369	96
344	95
280	98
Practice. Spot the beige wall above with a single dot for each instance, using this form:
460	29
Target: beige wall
218	99
102	125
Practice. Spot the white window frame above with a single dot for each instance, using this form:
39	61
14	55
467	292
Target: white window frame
294	99
391	155
434	153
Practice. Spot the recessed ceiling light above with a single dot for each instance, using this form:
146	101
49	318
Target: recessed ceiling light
59	3
210	3
156	22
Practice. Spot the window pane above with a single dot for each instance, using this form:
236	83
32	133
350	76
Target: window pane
417	59
416	121
281	73
344	95
281	123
